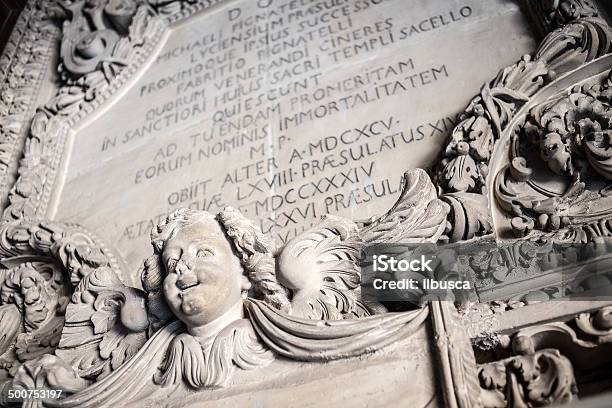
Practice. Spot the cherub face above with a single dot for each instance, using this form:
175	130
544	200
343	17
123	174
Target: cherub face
204	277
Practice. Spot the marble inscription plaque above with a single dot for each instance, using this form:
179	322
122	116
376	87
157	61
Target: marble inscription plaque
287	110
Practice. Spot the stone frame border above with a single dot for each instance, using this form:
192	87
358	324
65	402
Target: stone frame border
27	201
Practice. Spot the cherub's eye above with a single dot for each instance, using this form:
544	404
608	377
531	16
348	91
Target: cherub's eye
203	253
171	264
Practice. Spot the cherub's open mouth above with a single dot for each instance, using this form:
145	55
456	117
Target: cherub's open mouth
187	285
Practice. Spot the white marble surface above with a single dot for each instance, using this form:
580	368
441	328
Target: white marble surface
382	79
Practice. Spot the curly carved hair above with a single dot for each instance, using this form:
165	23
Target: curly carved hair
253	248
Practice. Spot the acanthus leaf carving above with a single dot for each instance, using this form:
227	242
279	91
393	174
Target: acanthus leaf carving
539	379
22	66
418	215
500	108
465	165
321	266
570	134
43	262
469	215
106	313
547	361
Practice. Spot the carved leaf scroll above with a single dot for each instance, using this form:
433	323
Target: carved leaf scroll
417	216
464	167
468	215
21	67
571	135
540	379
95	338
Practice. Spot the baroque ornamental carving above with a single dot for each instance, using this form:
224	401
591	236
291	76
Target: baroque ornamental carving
42	264
463	171
216	299
102	45
559	171
545	360
22	66
539	379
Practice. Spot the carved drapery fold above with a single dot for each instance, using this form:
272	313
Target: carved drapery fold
109	328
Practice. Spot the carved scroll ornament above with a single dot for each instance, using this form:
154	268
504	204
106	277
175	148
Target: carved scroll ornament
110	341
464	169
559	174
533	380
41	266
546	359
103	43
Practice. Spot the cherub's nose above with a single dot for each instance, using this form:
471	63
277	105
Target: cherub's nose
181	267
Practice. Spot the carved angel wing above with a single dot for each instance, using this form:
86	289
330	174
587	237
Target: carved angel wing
418	215
321	266
105	325
321	269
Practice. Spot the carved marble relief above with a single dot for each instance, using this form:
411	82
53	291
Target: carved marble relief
548	186
218	299
569	136
548	363
463	172
21	68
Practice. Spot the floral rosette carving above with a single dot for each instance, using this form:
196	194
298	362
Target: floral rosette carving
559	176
463	171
